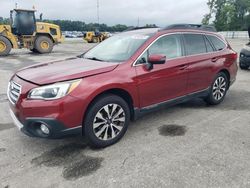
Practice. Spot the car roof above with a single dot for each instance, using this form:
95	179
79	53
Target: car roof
197	28
147	31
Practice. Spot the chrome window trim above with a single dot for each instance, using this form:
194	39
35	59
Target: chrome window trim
135	64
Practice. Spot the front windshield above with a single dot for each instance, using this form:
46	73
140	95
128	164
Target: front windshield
117	48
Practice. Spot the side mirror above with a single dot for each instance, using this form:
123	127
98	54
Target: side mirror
157	59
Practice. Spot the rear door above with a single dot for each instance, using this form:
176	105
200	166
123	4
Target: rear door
198	55
165	81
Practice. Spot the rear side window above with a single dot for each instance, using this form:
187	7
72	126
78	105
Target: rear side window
195	44
218	44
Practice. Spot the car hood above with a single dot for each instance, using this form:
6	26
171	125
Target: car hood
69	69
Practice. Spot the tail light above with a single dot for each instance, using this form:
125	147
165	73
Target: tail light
233	56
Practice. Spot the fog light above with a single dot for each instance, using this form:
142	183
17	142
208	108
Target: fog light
44	129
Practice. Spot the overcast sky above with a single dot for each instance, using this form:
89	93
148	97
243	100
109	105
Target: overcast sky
160	12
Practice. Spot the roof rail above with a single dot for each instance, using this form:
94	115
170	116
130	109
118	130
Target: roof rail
132	28
191	26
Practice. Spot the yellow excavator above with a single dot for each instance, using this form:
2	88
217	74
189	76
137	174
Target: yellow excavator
25	31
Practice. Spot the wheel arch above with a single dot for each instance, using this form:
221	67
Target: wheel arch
227	73
45	35
125	95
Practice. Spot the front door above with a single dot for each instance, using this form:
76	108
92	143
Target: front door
166	81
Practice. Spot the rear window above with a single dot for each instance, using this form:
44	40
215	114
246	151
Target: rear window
195	44
218	44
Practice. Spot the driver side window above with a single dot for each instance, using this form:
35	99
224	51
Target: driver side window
169	45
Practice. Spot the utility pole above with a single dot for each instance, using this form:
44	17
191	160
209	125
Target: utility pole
98	16
138	22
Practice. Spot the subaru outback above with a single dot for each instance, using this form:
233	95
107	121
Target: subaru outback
132	73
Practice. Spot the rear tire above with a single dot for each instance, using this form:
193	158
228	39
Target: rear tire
106	121
218	89
43	45
5	46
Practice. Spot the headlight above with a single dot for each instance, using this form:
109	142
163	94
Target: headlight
54	91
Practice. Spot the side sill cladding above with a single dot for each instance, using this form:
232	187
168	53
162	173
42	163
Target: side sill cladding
152	108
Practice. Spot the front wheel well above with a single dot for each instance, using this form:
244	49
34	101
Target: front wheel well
119	92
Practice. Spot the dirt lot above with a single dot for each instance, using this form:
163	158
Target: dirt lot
189	145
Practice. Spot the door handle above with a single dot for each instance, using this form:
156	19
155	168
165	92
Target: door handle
215	59
183	67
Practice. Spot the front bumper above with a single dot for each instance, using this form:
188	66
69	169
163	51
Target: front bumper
62	116
32	127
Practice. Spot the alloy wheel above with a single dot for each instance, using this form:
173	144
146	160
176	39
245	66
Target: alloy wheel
219	88
109	122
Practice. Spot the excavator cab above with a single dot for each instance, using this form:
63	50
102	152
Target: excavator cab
23	22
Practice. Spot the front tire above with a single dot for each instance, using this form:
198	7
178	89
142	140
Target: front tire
106	121
218	89
5	46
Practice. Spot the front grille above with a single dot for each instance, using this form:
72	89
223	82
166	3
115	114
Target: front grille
14	91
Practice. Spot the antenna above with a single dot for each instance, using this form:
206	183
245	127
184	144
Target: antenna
16	5
98	16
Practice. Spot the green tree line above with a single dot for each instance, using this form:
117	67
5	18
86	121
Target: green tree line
68	25
228	15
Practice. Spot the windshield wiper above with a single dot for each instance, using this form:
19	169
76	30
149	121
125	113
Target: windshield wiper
94	58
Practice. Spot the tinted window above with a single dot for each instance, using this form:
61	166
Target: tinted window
195	44
168	45
218	44
208	45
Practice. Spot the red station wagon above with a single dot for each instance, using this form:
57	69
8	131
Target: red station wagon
98	93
